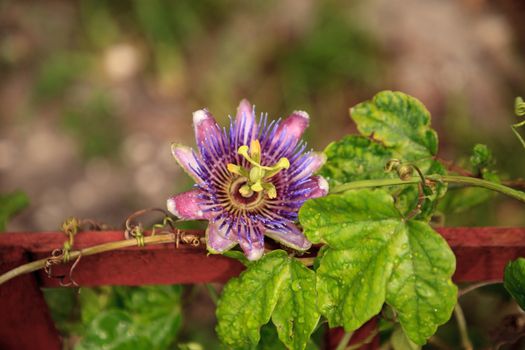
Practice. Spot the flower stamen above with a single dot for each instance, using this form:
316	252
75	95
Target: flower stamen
257	175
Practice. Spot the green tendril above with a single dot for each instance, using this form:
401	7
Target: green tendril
70	227
519	109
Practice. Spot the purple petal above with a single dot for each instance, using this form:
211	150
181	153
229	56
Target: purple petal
215	240
291	237
245	124
205	126
252	242
187	206
293	128
314	162
185	157
318	187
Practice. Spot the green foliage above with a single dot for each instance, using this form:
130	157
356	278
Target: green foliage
481	156
399	126
62	303
399	341
118	317
11	204
270	338
114	330
275	287
461	199
398	121
375	256
149	317
355	158
514	280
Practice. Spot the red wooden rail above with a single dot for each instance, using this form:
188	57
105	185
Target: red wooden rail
25	322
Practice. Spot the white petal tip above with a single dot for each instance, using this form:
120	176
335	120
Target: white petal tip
255	254
302	114
245	103
323	184
199	116
176	148
172	207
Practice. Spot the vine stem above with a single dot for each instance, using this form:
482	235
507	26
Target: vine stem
464	180
214	296
101	248
476	286
462	327
344	341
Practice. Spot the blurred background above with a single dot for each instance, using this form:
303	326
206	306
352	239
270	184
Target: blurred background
92	93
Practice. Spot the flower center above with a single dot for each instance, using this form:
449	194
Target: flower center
255	180
241	201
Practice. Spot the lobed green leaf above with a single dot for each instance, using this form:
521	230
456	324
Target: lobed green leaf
276	287
399	121
355	158
295	314
358	158
376	256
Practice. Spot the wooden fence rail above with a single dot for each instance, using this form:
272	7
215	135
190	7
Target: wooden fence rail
25	322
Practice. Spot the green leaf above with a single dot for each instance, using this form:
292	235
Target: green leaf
514	280
238	255
375	256
295	314
461	199
156	311
399	341
270	338
355	158
61	303
130	317
358	158
113	330
276	287
481	156
399	121
92	302
11	204
247	302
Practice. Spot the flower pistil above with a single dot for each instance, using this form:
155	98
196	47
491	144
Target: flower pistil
258	176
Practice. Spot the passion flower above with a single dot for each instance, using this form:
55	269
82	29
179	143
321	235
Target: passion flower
251	179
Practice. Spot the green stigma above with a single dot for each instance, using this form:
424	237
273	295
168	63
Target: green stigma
257	175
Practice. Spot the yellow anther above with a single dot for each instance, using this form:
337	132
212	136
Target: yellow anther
232	168
246	191
270	190
236	169
283	163
257	187
258	172
243	151
255	151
